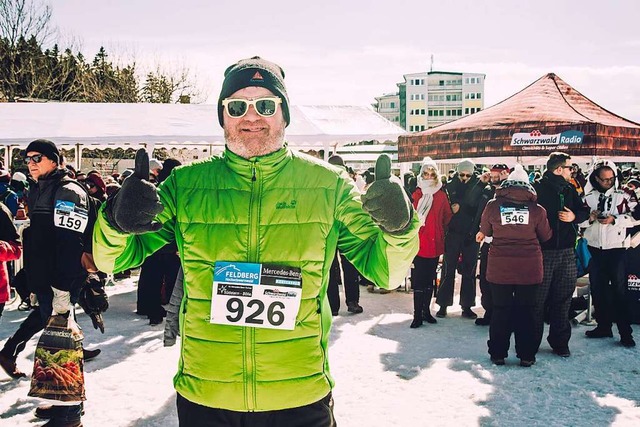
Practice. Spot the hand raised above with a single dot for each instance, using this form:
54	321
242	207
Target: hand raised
386	200
133	208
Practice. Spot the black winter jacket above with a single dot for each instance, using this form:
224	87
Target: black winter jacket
52	252
467	195
555	193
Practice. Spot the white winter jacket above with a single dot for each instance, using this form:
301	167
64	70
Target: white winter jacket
617	203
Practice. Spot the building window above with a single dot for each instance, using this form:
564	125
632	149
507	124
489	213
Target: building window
441	113
422	127
393	105
478	95
422	112
466	111
460	112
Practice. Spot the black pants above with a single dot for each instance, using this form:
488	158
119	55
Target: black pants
423	278
512	312
318	414
34	323
351	288
608	281
555	291
456	244
486	299
158	270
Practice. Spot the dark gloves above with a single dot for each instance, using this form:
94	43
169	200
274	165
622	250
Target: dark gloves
94	300
132	209
386	200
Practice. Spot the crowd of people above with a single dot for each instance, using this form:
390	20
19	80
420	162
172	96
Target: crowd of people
249	258
527	225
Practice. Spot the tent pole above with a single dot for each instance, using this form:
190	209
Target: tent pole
7	156
78	156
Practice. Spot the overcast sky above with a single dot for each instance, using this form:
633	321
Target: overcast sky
348	52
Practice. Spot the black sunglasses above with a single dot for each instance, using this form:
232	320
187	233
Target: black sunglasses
465	175
37	158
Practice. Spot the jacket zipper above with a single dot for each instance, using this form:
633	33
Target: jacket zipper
252	256
558	220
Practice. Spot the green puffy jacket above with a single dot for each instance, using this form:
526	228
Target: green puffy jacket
285	208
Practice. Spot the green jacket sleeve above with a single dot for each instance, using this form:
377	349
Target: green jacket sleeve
114	251
380	257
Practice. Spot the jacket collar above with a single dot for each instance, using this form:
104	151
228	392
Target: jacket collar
556	181
264	165
52	177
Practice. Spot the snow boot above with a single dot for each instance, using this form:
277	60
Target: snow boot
354	307
426	310
599	332
9	365
418	306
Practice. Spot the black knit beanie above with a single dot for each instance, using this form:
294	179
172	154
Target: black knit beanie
336	160
254	72
45	147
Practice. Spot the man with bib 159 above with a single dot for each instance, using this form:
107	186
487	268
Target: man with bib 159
257	229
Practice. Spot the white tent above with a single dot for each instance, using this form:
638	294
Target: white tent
80	125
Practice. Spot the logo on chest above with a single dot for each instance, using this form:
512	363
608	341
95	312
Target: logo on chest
287	205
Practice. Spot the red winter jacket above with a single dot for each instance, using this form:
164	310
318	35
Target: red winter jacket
433	231
9	251
518	224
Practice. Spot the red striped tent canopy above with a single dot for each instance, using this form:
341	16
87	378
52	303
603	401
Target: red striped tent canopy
548	106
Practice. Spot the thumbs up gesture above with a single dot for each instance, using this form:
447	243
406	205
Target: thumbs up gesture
386	200
132	209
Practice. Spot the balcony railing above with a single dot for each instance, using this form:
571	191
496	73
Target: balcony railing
445	87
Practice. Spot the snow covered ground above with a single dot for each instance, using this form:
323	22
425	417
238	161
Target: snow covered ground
386	374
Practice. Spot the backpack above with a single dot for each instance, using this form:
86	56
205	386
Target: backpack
583	256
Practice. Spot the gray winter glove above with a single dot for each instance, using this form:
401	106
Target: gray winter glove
386	200
132	209
171	325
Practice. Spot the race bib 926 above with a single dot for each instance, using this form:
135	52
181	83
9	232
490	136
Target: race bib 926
255	295
68	215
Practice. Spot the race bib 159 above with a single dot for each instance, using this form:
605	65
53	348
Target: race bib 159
255	295
68	215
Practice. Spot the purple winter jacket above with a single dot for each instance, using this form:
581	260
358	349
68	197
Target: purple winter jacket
518	225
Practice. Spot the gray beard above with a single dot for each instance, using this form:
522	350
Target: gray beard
269	145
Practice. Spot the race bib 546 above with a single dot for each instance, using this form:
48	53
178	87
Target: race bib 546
514	216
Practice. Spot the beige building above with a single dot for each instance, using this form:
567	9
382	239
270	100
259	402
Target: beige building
432	98
388	106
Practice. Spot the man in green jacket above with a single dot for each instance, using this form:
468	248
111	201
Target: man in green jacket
257	229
